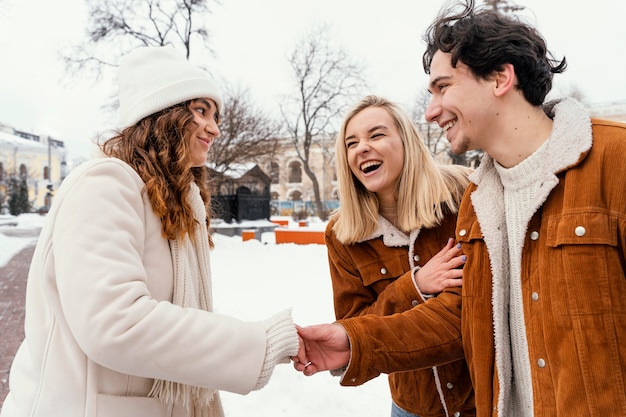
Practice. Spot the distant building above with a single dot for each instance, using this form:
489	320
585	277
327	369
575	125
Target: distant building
291	188
38	158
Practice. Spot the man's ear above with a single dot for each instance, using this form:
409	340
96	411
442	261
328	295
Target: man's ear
505	79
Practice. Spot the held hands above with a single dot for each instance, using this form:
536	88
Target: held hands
326	347
441	272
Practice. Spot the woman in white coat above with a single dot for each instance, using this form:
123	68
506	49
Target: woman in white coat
118	303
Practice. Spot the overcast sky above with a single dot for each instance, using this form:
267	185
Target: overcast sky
252	40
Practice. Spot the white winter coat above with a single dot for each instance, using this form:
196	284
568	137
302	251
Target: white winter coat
99	324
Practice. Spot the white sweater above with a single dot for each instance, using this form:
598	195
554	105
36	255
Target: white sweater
520	186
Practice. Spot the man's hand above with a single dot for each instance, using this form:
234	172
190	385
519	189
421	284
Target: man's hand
327	347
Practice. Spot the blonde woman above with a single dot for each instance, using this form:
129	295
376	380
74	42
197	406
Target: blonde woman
390	243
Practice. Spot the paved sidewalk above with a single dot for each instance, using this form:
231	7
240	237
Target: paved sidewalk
12	291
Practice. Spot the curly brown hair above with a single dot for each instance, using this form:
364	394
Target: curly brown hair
485	40
157	147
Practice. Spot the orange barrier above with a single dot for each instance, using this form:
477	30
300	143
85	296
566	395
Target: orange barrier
299	236
248	235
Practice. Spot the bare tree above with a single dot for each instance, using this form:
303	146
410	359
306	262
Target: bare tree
327	81
246	133
116	26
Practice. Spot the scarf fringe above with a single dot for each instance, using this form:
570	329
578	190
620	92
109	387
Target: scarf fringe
197	400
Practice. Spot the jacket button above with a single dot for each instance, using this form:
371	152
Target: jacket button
462	232
541	363
383	271
416	258
534	235
414	303
580	231
449	385
457	414
534	296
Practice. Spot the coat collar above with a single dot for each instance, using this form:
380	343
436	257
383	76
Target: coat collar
392	237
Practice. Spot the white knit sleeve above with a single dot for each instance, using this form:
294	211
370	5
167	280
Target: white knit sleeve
281	343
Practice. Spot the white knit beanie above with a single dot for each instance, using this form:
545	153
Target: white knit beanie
153	78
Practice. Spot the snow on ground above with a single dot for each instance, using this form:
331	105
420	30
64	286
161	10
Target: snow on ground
252	281
9	246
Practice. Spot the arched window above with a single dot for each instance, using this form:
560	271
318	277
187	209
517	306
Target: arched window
295	172
23	171
46	173
275	173
1	171
275	195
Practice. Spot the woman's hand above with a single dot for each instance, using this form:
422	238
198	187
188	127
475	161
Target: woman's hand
442	271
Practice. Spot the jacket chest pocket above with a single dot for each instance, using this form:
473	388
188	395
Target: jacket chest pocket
583	261
379	274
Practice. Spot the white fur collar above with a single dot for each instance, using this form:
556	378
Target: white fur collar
392	237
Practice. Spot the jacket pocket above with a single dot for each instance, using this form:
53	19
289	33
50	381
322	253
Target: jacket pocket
592	228
385	269
584	258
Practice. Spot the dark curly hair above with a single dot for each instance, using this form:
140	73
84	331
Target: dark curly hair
485	40
157	147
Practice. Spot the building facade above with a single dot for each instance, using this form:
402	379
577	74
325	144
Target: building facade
39	159
291	189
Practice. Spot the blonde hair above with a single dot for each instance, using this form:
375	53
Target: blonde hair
427	190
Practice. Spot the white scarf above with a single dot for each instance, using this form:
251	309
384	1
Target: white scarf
192	289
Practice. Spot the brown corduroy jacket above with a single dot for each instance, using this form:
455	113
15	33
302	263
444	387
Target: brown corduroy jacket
375	277
573	287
